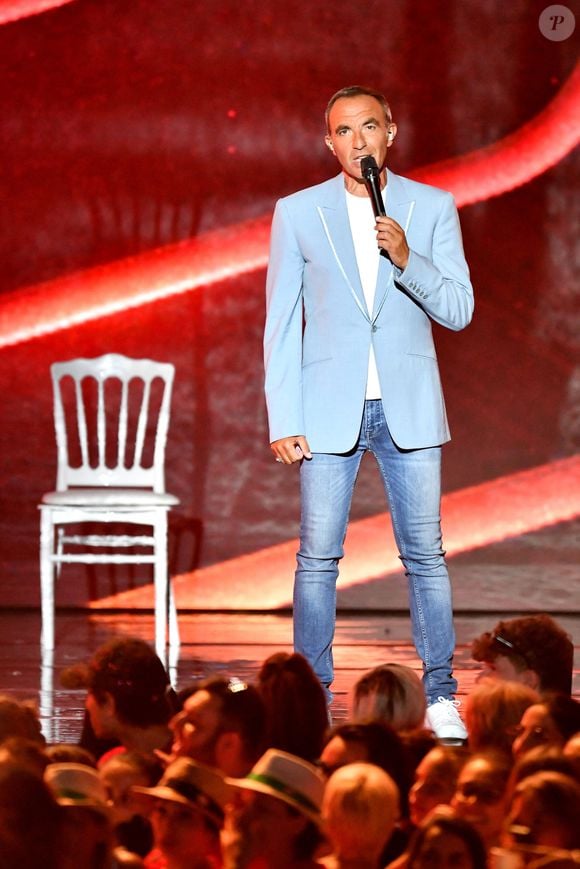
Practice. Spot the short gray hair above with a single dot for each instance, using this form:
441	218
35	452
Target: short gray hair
358	91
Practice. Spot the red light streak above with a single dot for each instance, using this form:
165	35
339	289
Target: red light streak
535	147
158	274
512	505
13	10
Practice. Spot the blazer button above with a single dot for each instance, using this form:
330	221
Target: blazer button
374	328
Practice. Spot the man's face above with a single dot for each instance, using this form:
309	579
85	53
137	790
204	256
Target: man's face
102	715
260	826
358	128
441	849
181	833
536	728
432	786
546	828
480	798
197	728
503	668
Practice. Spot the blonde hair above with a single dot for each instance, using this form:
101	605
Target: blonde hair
359	809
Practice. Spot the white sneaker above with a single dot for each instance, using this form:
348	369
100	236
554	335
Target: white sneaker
445	721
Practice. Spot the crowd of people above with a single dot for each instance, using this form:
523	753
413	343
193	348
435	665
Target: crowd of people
234	775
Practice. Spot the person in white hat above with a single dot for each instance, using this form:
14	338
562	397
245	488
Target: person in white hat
187	813
275	822
86	830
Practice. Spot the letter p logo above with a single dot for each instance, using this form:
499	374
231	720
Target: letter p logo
557	23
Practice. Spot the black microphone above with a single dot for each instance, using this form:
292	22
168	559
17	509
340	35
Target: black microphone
370	173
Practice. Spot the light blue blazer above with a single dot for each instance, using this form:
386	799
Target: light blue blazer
318	330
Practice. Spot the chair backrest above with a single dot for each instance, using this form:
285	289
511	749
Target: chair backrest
111	416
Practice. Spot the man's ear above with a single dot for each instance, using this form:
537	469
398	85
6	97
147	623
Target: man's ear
391	133
228	749
108	705
329	144
107	708
530	678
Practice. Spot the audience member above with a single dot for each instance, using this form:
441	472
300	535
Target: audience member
187	814
221	802
86	833
572	752
377	743
120	774
360	808
541	759
392	693
551	722
371	742
444	840
533	650
29	820
275	824
481	795
75	678
297	715
19	718
24	753
435	780
493	712
545	811
129	696
222	724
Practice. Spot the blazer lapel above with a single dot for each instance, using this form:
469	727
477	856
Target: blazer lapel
400	207
334	216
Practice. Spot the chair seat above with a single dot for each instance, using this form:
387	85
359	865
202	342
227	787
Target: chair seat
105	497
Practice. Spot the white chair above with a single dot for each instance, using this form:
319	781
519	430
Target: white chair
111	416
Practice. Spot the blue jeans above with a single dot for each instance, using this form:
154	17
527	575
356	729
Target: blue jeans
412	481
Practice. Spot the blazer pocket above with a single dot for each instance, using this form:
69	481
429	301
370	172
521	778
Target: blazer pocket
315	361
423	356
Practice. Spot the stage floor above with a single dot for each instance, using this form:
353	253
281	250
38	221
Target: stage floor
216	643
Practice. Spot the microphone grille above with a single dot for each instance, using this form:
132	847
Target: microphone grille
369	167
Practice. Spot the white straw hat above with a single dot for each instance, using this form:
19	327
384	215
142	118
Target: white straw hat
288	778
192	784
74	784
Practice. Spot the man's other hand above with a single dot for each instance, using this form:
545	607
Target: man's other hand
290	450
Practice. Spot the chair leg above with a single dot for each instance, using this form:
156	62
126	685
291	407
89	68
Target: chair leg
172	663
59	551
160	583
174	640
46	579
47	696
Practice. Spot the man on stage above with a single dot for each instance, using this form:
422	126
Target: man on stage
351	366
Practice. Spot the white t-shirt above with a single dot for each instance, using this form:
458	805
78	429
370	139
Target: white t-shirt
362	227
